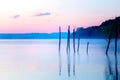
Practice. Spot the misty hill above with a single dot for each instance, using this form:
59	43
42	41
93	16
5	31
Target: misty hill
32	35
97	31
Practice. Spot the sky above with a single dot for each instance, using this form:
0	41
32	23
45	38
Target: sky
26	16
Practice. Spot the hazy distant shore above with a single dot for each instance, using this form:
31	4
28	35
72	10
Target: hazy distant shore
39	36
32	35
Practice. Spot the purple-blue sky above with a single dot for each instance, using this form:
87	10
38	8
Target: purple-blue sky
21	16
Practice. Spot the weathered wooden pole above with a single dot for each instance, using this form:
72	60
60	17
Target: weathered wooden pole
108	45
68	40
78	45
74	52
68	51
60	51
78	48
74	40
116	59
59	38
109	40
87	48
108	59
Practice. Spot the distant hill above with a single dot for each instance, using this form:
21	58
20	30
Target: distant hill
96	31
32	35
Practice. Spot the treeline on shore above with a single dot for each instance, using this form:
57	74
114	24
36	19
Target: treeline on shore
100	31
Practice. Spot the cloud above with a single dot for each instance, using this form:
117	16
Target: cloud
43	14
37	15
16	16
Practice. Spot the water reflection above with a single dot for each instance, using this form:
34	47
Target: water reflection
60	64
21	61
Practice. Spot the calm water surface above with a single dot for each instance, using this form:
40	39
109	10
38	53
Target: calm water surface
39	60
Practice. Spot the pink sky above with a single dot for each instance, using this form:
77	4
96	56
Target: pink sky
46	16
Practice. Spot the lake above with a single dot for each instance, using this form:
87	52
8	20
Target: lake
40	60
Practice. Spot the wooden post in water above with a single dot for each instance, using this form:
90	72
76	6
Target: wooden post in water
59	51
116	39
68	40
68	50
74	40
78	45
108	59
87	48
74	52
109	40
59	38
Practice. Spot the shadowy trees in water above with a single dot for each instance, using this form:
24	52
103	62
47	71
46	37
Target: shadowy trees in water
113	32
73	35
